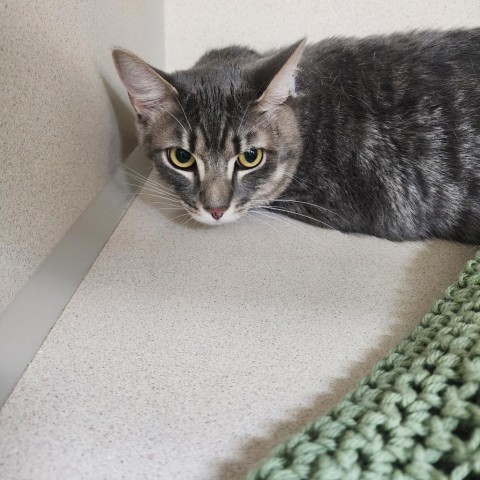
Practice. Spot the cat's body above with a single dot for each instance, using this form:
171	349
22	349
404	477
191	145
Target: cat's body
380	136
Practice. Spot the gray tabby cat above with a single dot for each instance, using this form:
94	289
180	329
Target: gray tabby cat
378	135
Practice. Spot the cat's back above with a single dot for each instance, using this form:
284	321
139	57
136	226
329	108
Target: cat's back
415	46
397	126
420	56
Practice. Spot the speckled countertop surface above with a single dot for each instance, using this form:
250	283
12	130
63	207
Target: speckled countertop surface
189	352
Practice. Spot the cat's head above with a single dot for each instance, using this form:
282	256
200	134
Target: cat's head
223	134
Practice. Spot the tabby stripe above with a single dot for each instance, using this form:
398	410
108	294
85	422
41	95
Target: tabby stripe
236	144
192	141
223	138
205	136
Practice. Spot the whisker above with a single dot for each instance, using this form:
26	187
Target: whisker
156	191
133	175
124	165
176	119
145	184
155	195
149	183
162	201
257	125
146	179
183	111
313	205
178	216
246	108
133	172
188	221
300	180
250	215
296	227
140	182
166	202
263	221
162	206
300	214
168	208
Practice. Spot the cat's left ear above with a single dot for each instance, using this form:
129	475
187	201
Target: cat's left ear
276	76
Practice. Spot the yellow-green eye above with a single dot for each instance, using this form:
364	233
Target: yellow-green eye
180	158
250	158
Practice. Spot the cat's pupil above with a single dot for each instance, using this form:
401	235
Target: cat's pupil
251	155
182	155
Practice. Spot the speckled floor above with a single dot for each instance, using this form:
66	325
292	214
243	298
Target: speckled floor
189	352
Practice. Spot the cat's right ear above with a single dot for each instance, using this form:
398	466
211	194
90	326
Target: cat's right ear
147	89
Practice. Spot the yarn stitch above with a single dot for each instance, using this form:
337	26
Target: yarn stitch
416	416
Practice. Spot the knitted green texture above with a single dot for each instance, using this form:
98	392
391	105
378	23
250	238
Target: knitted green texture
416	416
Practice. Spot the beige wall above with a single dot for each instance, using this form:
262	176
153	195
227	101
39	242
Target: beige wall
64	118
192	26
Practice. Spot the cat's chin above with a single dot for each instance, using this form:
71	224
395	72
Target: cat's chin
207	219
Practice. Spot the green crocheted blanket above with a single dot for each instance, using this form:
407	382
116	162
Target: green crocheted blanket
415	417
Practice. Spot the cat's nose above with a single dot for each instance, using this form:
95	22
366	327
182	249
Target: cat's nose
217	212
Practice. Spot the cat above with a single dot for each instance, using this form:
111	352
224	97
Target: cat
377	136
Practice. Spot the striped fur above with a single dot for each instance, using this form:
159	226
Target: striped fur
382	134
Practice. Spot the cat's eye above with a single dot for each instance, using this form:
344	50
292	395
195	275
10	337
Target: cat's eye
251	158
180	158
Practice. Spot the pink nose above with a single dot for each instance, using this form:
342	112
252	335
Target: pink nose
217	212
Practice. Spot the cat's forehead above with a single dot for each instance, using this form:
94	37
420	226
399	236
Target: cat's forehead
213	91
224	80
214	101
